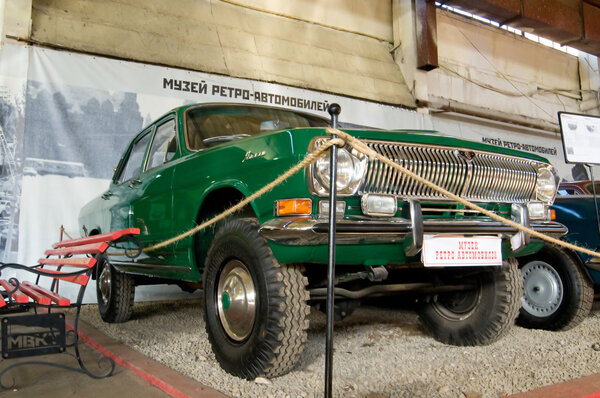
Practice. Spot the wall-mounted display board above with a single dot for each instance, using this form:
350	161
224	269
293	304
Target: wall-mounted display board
581	137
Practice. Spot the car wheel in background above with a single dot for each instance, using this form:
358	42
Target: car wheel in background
255	308
115	292
557	294
477	316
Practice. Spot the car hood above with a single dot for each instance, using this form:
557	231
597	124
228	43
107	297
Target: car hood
428	137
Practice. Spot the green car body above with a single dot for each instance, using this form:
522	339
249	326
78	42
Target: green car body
193	182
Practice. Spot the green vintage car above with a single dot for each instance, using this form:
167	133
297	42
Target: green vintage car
262	268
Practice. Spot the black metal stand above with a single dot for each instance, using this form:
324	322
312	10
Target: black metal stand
45	322
334	111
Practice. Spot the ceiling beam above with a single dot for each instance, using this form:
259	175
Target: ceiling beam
426	34
569	22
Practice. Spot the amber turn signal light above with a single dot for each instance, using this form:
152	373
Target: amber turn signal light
293	207
552	214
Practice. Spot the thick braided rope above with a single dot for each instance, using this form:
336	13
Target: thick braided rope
361	147
308	160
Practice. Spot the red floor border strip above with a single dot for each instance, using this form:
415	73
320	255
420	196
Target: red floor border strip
172	391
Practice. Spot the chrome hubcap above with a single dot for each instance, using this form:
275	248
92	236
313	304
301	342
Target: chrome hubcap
104	281
236	300
457	306
543	289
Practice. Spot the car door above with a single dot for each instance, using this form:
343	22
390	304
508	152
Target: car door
152	199
118	197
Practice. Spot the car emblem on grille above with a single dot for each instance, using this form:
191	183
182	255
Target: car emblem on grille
467	155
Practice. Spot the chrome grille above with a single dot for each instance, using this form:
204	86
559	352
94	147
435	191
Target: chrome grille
486	177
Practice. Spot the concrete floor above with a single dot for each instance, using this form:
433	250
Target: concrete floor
136	375
44	381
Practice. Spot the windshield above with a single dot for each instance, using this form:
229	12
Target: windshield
207	126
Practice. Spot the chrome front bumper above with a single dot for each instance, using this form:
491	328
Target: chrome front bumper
300	232
363	230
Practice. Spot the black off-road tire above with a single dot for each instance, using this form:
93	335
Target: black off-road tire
115	304
557	293
269	340
480	316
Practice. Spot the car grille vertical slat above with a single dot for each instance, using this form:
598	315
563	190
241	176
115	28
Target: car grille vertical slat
453	172
515	178
463	175
506	177
397	176
480	176
403	189
418	171
521	183
446	171
389	171
490	180
426	173
479	171
412	166
520	175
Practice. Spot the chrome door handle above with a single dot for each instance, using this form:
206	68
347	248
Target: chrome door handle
106	195
134	182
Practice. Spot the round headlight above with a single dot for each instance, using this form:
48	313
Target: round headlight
546	185
350	171
344	169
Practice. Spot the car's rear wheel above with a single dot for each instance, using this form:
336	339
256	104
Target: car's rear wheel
556	293
255	308
477	316
115	292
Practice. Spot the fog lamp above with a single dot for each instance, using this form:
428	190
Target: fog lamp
379	205
537	211
340	208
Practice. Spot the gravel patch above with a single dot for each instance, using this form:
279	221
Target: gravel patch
379	352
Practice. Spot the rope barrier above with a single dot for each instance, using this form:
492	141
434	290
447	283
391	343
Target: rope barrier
344	139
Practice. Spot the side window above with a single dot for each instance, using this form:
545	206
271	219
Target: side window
566	191
164	145
133	166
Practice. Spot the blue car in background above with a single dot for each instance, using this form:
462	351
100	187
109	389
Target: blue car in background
559	283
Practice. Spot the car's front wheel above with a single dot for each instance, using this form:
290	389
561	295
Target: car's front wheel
255	308
479	315
557	295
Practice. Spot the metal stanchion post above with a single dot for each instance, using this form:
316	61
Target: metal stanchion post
334	111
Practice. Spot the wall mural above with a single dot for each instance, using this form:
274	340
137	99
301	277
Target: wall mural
11	118
12	102
76	133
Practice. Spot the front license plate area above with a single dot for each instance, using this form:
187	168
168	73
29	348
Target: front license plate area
461	251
